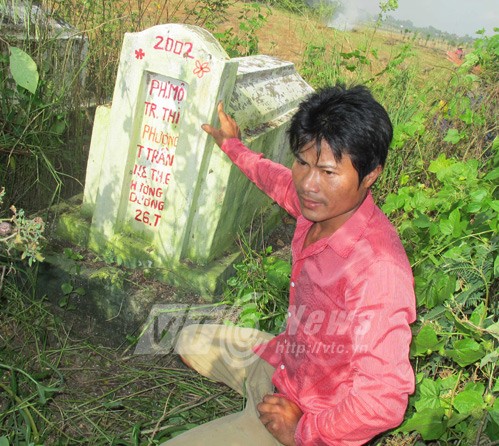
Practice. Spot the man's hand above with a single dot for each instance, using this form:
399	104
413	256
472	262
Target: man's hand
228	127
280	417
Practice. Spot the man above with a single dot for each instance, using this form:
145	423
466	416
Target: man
340	370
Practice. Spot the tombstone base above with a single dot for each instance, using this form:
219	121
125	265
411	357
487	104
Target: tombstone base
101	302
72	228
107	302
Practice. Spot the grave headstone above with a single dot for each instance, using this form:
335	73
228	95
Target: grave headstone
157	191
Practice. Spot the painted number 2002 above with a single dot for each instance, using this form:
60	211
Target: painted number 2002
174	46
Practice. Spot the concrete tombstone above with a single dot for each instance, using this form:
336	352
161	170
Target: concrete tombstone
157	191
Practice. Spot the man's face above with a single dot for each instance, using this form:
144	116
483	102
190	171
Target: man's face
328	190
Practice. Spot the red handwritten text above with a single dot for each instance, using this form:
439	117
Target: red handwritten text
151	134
174	46
163	113
156	156
147	218
167	90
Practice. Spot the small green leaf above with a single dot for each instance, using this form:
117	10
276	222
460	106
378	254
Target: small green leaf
456	418
449	382
433	287
245	298
492	175
442	163
278	273
466	351
453	225
494	330
453	136
478	315
80	291
394	202
45	392
479	195
421	221
436	312
63	303
429	395
492	357
468	400
492	429
446	227
4	441
429	423
249	309
58	127
66	288
23	69
425	342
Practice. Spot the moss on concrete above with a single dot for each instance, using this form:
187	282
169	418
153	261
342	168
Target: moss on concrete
207	280
73	227
111	278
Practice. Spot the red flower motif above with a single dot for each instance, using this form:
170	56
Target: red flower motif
201	68
139	54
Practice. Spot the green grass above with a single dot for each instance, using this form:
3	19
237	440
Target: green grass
56	388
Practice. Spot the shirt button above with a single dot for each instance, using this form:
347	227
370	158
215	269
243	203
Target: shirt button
282	367
289	313
292	284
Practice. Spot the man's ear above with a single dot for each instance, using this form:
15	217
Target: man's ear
372	176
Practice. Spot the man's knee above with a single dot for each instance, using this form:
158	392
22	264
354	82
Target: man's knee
195	339
184	344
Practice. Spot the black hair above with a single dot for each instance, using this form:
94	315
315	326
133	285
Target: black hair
349	120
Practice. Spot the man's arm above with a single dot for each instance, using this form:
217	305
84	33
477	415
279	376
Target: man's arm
272	178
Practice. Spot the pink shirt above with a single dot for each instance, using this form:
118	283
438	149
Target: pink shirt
344	355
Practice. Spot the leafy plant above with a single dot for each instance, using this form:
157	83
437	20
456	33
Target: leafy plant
19	234
23	69
260	288
70	289
485	56
31	123
244	41
208	13
449	229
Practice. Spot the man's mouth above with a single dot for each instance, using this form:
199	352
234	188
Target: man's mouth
308	203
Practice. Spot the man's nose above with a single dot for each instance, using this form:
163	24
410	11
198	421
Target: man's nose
310	182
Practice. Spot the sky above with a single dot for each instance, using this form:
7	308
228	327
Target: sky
459	17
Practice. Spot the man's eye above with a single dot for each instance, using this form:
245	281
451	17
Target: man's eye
328	172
